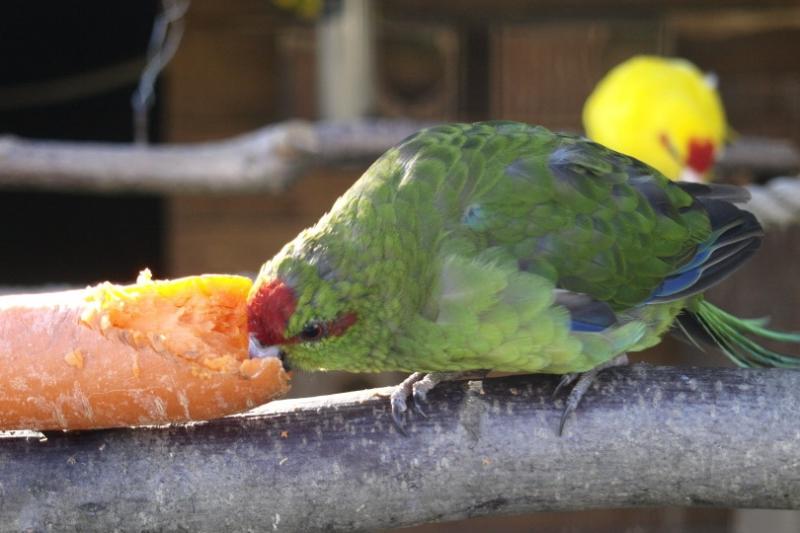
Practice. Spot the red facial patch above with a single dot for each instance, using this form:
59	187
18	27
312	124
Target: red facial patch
341	324
701	155
269	311
271	307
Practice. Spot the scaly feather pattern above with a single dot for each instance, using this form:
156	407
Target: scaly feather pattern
505	246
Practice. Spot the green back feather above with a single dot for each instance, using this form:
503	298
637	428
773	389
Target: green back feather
450	247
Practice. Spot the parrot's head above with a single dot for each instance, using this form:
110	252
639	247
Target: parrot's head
691	126
663	111
694	155
303	310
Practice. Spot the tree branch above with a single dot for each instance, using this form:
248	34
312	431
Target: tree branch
761	155
267	159
643	436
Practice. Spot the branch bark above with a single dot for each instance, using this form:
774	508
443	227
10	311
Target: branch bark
762	155
643	436
267	159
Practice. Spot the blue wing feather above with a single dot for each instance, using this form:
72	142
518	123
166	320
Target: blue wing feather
735	236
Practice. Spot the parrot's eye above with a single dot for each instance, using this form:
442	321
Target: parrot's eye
313	331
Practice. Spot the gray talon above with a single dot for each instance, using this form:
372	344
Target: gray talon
575	397
566	379
417	386
398	402
584	381
420	397
399	409
398	416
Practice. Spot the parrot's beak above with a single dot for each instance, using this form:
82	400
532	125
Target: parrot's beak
690	174
259	351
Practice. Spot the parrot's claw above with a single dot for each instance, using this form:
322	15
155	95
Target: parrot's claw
566	379
398	400
420	389
420	399
399	409
417	386
584	381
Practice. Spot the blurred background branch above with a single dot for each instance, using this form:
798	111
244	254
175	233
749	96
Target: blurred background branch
269	158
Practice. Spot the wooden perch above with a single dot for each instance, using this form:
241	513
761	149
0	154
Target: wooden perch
643	436
266	159
760	155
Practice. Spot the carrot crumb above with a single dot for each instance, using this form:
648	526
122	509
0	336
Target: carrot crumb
74	359
135	369
252	368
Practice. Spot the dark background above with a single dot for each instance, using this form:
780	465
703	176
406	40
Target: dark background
74	238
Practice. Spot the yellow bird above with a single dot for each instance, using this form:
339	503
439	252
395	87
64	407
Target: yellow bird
663	111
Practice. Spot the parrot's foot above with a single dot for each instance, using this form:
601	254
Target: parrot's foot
398	400
417	386
584	381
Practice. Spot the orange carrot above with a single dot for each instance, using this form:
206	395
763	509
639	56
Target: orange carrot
151	353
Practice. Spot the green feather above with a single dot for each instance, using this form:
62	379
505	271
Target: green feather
730	332
450	248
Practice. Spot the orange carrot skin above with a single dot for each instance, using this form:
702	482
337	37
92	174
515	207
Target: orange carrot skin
64	364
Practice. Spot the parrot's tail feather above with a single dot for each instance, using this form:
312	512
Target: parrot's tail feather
735	236
716	191
691	331
732	334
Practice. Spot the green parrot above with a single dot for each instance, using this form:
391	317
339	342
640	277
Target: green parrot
504	246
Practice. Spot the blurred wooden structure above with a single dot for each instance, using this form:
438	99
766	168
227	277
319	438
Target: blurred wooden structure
244	64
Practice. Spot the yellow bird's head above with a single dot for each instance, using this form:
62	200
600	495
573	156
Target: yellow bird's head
663	111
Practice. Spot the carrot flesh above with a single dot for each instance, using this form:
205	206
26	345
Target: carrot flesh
155	352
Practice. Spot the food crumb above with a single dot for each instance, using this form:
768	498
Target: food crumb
251	368
137	372
74	359
144	277
201	372
222	363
